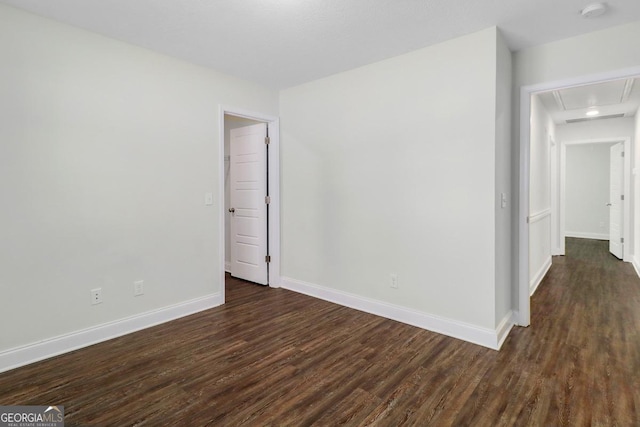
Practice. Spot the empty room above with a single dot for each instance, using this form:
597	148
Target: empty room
284	212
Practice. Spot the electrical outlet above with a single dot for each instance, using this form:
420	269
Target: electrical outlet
208	199
394	281
138	287
96	296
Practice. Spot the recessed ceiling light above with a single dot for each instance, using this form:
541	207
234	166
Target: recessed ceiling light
593	112
593	10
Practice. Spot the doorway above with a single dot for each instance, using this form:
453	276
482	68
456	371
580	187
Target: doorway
231	120
527	94
588	209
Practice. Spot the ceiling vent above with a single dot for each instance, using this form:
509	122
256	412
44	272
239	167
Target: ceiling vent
588	119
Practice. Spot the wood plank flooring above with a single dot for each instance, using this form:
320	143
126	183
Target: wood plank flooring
274	357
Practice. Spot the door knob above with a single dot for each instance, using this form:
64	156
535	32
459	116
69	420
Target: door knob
232	210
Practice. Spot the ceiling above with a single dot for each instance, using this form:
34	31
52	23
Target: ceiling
282	43
616	98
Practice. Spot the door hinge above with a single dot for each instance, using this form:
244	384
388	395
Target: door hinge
267	140
622	240
622	197
267	199
622	154
267	258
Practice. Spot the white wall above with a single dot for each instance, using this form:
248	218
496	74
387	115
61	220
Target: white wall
591	53
542	133
586	55
107	151
587	191
379	177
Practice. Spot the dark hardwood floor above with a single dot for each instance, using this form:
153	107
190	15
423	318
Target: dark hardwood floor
274	357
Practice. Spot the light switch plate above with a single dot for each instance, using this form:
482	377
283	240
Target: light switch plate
138	287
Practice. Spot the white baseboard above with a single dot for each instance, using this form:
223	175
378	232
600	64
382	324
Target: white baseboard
636	264
586	235
465	331
505	326
55	346
537	279
227	266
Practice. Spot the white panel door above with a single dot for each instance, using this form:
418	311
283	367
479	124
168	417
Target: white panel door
248	210
616	171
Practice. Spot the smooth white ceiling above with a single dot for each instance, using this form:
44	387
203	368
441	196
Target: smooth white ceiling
282	43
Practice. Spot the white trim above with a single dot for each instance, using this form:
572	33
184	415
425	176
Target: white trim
554	152
628	87
586	235
524	306
539	276
465	331
539	215
274	189
562	182
50	347
524	302
505	326
626	210
636	264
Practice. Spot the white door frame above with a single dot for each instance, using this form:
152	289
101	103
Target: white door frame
626	212
274	190
524	308
554	182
